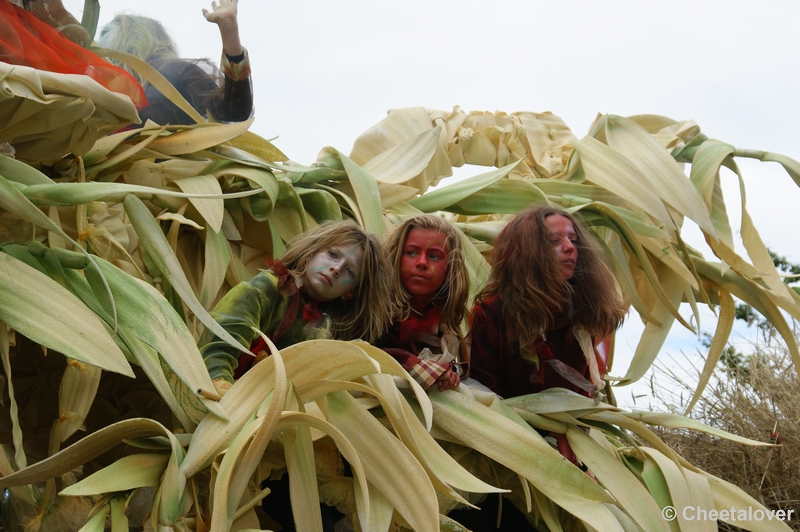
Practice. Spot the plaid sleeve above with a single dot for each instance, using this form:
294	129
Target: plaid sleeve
425	372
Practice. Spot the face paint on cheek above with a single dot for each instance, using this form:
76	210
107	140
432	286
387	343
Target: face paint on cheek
423	264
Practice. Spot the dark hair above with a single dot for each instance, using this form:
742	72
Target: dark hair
527	281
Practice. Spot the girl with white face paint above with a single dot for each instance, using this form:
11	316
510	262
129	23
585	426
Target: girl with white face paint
333	272
332	282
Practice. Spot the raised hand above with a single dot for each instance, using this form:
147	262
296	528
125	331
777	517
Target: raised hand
221	12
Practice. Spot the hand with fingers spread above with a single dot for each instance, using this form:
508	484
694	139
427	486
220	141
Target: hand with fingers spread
224	95
224	15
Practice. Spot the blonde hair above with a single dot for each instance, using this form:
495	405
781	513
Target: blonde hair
451	298
142	37
367	313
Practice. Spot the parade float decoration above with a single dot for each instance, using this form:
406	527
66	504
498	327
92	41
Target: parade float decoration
115	244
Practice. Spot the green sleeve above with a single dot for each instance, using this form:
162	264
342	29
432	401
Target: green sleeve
255	303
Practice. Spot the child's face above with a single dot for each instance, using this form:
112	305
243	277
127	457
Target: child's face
564	241
423	265
334	271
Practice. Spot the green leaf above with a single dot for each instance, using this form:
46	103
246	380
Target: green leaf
610	169
19	172
705	176
91	15
615	477
386	460
405	161
445	472
127	473
505	441
791	166
46	312
262	178
654	335
320	204
755	295
14	201
721	334
366	194
217	257
442	198
20	457
210	209
555	400
662	173
665	481
119	521
676	421
155	243
85	450
97	523
726	496
146	314
82	193
507	196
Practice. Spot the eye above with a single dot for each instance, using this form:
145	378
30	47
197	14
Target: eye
332	253
351	272
410	253
436	256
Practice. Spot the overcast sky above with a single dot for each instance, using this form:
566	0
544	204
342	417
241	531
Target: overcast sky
325	71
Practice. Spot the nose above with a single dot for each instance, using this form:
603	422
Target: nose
335	267
567	246
422	262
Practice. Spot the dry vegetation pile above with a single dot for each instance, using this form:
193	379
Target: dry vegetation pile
756	397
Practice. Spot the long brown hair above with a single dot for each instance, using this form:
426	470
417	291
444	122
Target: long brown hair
531	289
366	314
451	298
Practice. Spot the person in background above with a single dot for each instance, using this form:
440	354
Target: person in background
229	99
432	287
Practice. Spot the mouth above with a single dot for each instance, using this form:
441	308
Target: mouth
327	279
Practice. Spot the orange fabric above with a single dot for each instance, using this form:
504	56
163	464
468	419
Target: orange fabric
26	40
